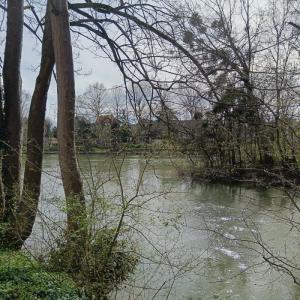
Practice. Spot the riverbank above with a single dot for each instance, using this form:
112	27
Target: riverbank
22	278
127	148
261	177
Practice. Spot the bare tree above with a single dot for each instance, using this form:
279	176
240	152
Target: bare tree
27	208
65	119
91	104
12	97
119	106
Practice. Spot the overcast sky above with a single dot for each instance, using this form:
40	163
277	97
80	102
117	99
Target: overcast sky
97	69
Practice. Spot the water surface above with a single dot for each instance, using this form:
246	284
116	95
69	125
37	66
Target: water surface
188	233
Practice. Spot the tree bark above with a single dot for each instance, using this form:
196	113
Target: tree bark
2	199
12	96
27	209
66	114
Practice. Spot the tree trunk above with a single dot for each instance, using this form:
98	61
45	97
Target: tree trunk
66	114
12	96
2	199
27	208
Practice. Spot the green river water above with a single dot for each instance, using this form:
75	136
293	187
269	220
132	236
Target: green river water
189	234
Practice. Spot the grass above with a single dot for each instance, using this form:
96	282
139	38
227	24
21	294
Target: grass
23	278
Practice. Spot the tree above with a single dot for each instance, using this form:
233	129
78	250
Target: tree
249	83
11	165
27	208
190	102
72	182
119	105
2	136
65	118
91	104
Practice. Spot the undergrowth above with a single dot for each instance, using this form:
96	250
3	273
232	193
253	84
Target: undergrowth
22	278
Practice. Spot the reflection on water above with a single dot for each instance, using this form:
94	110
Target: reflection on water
189	233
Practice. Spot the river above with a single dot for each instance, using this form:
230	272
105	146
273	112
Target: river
189	234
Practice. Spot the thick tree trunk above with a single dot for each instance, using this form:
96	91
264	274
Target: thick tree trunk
12	95
27	208
66	113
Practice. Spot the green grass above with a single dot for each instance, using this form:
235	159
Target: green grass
24	279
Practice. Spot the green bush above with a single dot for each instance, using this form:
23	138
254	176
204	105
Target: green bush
24	279
102	268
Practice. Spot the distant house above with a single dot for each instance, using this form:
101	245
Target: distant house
107	120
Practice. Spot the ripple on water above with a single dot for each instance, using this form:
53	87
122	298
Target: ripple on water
229	236
238	228
226	218
243	267
228	252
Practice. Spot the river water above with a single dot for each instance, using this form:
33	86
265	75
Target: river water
196	240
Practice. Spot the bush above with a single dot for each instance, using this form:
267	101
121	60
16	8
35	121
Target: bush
103	268
24	279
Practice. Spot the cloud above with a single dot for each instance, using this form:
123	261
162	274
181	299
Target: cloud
95	69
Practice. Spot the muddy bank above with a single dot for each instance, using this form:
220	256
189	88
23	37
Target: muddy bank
277	177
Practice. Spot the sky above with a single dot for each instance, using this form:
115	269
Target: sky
93	69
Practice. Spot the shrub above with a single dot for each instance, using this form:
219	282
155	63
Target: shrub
103	266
